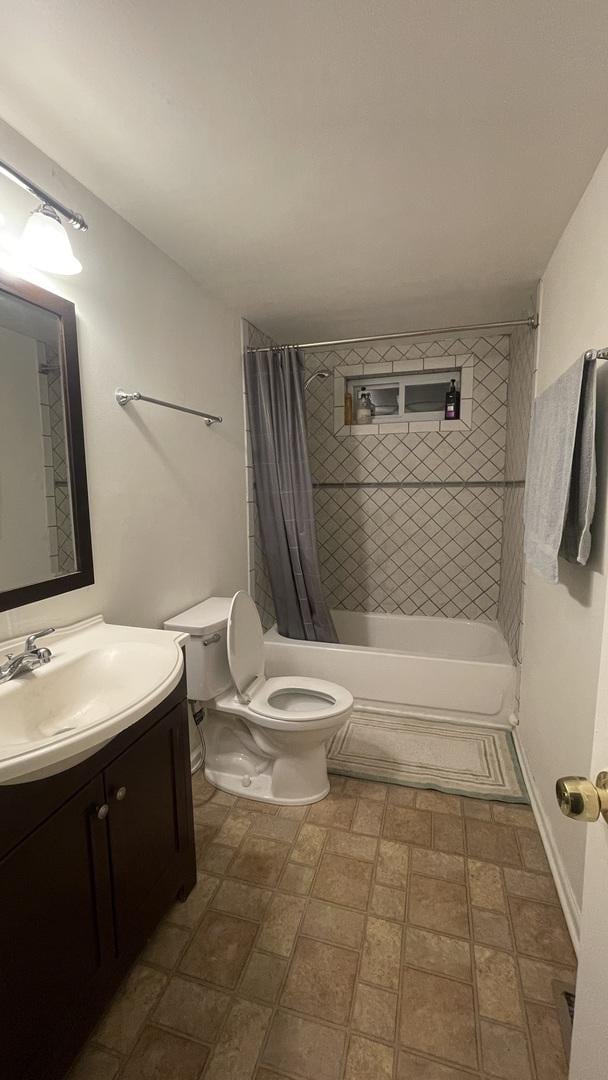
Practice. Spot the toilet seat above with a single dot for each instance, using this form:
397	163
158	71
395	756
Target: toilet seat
298	699
294	699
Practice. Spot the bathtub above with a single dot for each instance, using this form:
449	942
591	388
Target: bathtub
448	668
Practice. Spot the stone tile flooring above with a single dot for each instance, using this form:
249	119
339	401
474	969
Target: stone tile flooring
385	933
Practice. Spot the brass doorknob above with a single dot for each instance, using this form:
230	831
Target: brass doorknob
582	800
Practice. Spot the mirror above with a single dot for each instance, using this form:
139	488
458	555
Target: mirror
45	543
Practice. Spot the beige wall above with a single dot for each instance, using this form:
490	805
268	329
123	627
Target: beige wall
167	494
563	623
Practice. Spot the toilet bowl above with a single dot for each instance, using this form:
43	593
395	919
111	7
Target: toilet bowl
265	737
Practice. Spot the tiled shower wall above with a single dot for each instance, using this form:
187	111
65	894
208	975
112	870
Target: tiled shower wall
412	523
420	523
519	408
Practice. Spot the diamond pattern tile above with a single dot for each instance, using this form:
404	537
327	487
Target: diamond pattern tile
416	551
460	455
430	551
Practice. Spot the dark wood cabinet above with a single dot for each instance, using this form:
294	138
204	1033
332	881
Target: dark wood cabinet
56	931
90	860
145	828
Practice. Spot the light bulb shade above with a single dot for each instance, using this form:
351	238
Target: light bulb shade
45	244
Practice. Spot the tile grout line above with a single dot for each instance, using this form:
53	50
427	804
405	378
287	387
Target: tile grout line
307	897
230	992
402	959
360	955
358	980
143	1025
347	1026
234	990
475	988
527	1028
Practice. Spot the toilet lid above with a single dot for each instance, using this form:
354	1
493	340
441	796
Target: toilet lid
245	641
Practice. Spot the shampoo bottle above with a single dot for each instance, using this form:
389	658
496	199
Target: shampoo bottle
452	402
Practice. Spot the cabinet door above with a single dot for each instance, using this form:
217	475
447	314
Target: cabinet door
145	792
56	939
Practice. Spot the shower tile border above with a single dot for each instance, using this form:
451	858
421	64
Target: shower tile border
420	484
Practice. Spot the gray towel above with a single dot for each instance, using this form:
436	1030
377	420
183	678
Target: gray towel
560	480
576	537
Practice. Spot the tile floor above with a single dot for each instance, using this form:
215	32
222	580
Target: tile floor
385	933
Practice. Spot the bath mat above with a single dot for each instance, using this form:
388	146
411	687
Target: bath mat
459	758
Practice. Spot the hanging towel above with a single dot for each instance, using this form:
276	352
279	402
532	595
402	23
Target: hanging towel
560	480
576	537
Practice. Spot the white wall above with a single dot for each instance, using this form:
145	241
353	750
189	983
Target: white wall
24	532
167	494
563	623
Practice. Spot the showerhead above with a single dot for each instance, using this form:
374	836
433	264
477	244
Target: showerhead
317	375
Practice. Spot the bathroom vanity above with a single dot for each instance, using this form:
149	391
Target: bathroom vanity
90	859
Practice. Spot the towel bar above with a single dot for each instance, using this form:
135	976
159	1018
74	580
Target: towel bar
123	397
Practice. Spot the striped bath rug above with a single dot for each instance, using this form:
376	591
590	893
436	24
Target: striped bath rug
459	758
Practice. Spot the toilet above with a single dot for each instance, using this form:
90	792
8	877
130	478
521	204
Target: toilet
265	738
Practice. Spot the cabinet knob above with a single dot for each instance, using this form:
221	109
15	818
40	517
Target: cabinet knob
102	811
121	794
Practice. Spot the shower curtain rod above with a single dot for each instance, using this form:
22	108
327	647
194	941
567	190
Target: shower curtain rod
531	321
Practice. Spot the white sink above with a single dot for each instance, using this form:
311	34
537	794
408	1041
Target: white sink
101	679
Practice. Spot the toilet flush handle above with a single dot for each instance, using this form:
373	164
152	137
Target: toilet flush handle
211	640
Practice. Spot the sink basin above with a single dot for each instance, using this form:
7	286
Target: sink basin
101	679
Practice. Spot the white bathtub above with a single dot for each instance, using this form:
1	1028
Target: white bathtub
450	668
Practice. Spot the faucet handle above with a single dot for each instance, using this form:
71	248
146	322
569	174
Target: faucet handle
29	642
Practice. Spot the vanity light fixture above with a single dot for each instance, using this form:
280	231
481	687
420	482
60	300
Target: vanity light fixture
44	242
46	245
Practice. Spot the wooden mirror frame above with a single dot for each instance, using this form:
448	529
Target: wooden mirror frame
68	348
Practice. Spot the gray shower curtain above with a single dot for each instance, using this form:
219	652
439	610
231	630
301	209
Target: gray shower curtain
274	382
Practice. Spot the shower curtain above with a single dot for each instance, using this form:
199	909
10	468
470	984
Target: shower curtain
274	382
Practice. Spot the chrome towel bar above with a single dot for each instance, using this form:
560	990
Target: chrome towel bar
123	397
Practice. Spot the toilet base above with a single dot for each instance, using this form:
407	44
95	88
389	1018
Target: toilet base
269	764
258	790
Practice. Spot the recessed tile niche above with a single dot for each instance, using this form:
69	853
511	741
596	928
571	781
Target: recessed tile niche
390	375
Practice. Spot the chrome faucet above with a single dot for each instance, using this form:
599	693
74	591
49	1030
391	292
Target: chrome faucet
31	657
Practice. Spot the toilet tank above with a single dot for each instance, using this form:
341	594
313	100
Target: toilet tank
207	671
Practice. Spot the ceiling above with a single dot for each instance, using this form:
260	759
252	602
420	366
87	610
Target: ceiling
328	167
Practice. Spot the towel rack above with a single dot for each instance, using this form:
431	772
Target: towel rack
123	397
